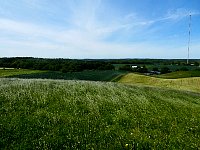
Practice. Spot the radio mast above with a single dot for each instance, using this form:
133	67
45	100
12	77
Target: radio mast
190	16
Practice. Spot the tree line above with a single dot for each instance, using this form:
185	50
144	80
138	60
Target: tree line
64	65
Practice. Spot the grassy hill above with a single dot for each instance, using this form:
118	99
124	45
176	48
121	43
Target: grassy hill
187	84
58	114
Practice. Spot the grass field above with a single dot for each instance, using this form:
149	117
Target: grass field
84	75
188	84
59	114
13	72
180	74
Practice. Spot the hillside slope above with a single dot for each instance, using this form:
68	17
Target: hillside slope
187	84
56	114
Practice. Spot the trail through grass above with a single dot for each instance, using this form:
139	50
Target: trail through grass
58	114
187	84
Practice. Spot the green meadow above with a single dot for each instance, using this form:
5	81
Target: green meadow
134	112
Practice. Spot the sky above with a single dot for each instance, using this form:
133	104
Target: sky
99	29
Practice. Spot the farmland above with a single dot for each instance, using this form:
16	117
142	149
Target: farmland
58	114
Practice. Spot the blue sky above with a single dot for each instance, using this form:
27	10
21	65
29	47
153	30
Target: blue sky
99	28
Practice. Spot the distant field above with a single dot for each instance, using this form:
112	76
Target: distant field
84	75
180	74
13	72
188	84
58	114
151	66
173	67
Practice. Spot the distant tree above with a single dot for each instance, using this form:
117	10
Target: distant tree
107	66
165	70
64	70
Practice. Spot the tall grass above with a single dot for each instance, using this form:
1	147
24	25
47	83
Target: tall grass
188	84
56	114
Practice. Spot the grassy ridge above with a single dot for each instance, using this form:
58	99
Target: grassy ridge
53	114
188	84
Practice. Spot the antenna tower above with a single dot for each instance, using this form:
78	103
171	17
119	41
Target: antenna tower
189	33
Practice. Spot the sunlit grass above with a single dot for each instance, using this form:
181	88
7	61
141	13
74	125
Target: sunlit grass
188	84
56	114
